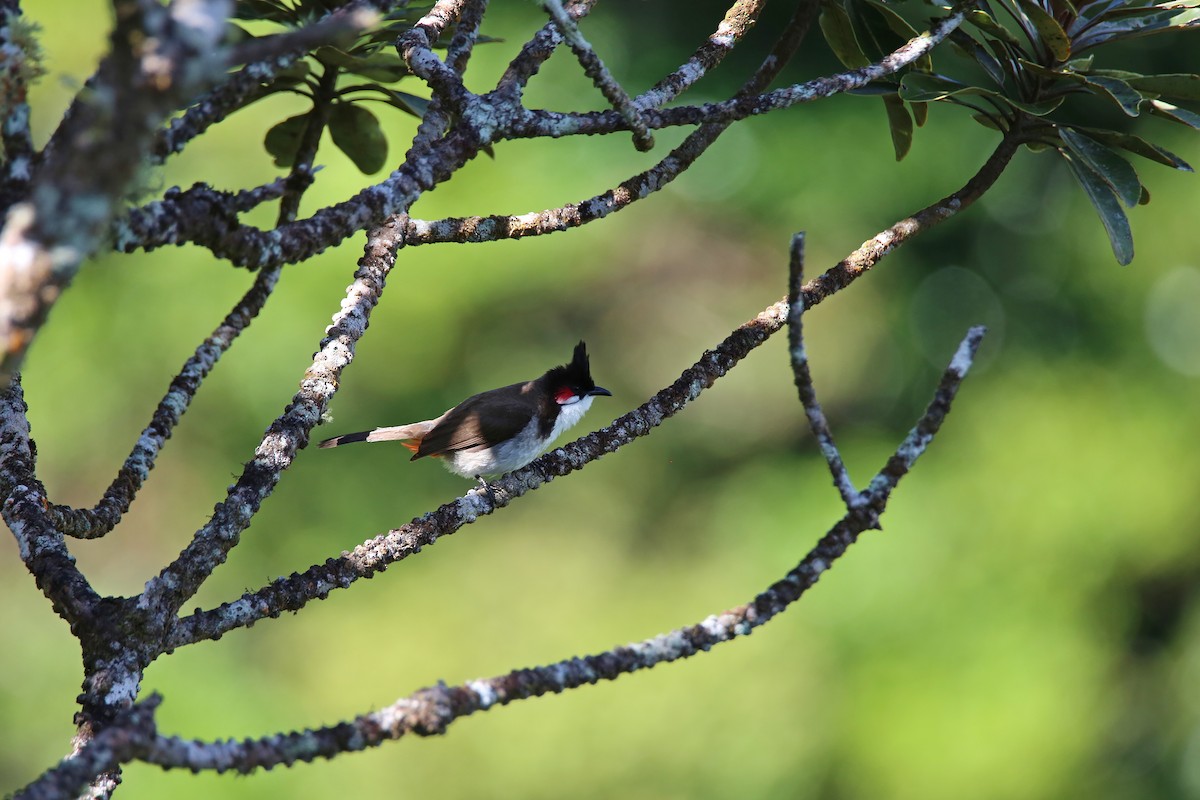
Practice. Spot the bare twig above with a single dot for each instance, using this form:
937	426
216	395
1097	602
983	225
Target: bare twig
129	736
375	555
491	228
603	80
740	17
180	580
251	247
804	382
536	51
430	711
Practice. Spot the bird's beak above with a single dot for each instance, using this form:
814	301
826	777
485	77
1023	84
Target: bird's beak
596	390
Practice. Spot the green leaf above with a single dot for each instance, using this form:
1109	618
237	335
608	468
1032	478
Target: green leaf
1163	109
283	139
1049	31
270	10
383	67
1138	146
1139	22
1118	173
1120	92
917	87
839	35
973	49
410	103
899	25
920	112
1107	206
1178	85
356	132
900	124
985	23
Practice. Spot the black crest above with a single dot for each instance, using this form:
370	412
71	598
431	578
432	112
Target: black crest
577	374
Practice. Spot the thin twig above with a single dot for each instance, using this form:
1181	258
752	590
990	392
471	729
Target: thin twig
738	20
535	52
129	736
553	220
804	381
603	80
248	246
428	712
375	555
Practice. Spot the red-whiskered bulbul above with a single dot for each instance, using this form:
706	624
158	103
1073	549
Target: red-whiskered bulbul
500	430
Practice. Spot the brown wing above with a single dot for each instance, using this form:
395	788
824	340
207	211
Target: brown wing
464	428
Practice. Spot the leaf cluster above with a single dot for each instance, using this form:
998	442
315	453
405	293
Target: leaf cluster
337	80
1017	63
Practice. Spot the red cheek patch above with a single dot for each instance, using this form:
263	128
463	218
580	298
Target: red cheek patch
563	395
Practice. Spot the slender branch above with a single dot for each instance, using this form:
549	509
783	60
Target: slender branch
180	580
479	229
538	123
129	736
535	52
804	382
41	547
245	86
740	17
297	590
340	24
249	246
602	79
416	48
104	516
430	711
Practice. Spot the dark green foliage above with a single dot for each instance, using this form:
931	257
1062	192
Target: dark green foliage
1029	67
354	130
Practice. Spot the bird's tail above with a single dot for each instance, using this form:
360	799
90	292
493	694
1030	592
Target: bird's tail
408	435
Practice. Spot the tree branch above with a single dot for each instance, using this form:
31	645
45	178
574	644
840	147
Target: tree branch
129	736
375	555
492	121
804	382
430	711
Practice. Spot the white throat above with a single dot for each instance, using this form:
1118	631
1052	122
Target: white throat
568	414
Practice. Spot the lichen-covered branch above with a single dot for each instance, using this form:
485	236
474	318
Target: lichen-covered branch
160	58
740	17
104	516
602	79
492	118
131	735
538	123
430	711
572	215
20	64
375	555
804	382
180	580
41	546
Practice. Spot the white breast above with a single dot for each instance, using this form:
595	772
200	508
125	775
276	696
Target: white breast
519	450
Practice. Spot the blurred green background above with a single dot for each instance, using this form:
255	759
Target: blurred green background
1026	626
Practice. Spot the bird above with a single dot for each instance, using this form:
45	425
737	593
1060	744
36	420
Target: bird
499	430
